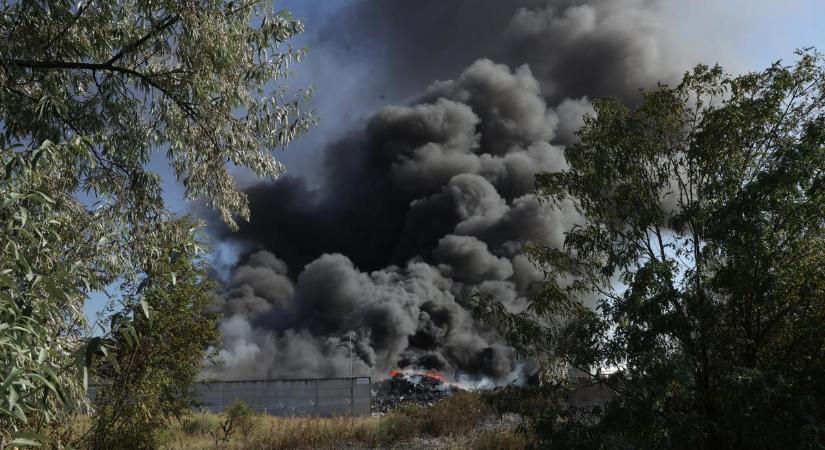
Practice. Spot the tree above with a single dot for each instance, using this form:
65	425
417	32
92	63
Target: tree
158	356
89	92
702	243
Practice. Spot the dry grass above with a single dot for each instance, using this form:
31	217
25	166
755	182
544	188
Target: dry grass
203	431
500	440
454	415
316	433
460	419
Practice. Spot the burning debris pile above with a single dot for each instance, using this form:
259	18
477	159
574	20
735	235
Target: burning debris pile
410	387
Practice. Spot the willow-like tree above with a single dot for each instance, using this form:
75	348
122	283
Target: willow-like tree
88	93
702	243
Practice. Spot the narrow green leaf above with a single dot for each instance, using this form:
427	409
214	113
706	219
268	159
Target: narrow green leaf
46	382
142	285
45	197
12	397
28	439
13	375
133	333
145	307
23	442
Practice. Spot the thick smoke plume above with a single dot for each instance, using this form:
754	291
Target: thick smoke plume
433	199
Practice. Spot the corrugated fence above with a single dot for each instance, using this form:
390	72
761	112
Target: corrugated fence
305	397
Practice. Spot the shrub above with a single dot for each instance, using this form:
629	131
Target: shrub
394	427
154	358
453	415
529	402
314	433
198	424
500	440
239	417
239	413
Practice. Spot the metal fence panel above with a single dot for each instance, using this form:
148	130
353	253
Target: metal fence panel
307	397
323	397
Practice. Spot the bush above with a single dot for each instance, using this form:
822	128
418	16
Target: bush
395	427
531	402
239	417
500	440
238	410
153	359
456	419
198	424
297	433
454	415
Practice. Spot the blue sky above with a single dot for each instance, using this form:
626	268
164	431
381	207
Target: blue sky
749	34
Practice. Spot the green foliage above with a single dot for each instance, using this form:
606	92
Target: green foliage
200	80
395	427
526	401
240	417
198	424
90	90
456	414
500	440
52	251
157	354
702	243
238	410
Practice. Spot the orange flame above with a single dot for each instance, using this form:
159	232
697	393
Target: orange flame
432	373
436	375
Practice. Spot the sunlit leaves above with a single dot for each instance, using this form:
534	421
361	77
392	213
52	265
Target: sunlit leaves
201	81
89	92
49	263
40	289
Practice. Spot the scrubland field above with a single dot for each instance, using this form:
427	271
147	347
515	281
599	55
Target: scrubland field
463	421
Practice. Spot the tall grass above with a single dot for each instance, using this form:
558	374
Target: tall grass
462	418
315	433
454	415
500	440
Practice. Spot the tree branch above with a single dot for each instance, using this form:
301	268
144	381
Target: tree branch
164	24
69	25
109	67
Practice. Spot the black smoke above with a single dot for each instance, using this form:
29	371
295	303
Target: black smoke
575	48
430	200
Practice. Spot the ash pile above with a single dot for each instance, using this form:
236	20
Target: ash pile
406	387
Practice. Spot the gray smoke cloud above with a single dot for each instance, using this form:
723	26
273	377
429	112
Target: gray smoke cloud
432	199
575	48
